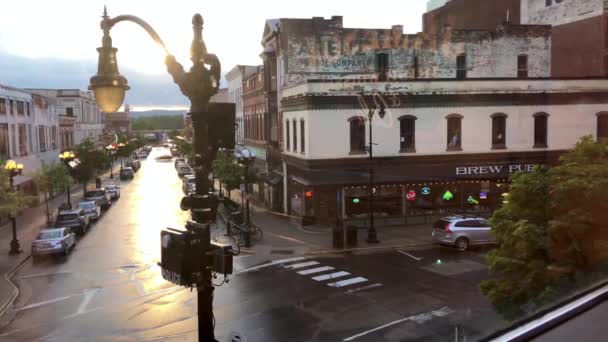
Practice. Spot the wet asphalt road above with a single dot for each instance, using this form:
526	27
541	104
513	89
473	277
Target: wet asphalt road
110	289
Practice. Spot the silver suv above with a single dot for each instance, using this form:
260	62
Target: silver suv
462	231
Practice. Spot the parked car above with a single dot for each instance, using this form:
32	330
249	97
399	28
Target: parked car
91	208
164	158
126	173
179	161
462	231
189	184
113	190
135	165
143	154
74	219
53	241
100	196
183	169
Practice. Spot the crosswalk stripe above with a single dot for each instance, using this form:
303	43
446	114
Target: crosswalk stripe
347	282
316	270
330	276
302	264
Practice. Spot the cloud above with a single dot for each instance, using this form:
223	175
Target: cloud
146	90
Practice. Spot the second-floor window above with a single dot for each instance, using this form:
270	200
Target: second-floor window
407	136
499	131
540	130
10	105
2	106
295	136
382	66
287	136
461	66
42	138
302	138
602	126
22	140
357	135
454	132
20	108
69	111
522	66
27	108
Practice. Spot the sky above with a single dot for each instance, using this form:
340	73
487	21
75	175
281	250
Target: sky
52	44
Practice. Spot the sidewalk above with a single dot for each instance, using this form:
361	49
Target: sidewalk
29	223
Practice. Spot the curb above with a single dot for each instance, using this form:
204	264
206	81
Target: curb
15	293
363	249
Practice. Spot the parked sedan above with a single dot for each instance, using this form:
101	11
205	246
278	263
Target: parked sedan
92	209
75	219
126	173
113	190
100	196
462	231
53	241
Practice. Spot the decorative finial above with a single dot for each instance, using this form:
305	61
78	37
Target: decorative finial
198	50
105	12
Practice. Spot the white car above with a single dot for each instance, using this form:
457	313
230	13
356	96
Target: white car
91	209
113	190
53	241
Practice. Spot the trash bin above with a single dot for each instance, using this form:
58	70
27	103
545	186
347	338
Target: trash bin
97	182
337	238
351	236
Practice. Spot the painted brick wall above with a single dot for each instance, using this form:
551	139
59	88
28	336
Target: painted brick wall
564	12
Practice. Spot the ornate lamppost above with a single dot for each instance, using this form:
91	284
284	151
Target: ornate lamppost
120	147
245	158
67	158
13	170
198	84
111	150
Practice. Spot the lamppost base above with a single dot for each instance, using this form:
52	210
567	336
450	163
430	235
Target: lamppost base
372	237
15	247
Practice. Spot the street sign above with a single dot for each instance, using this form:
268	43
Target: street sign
174	250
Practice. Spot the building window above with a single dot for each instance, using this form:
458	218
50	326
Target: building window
407	136
2	106
295	136
540	130
42	138
4	151
416	67
302	138
357	135
499	131
22	140
30	139
287	136
27	108
69	111
454	132
602	126
522	66
382	66
461	67
20	108
11	110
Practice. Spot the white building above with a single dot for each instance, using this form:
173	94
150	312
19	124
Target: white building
74	103
28	130
235	95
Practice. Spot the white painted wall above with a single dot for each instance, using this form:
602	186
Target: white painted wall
567	11
328	136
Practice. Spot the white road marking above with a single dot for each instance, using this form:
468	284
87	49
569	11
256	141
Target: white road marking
272	263
316	270
347	282
88	296
46	302
140	288
408	254
44	274
301	265
330	276
417	318
367	287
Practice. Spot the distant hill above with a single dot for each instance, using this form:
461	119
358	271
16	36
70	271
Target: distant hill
159	112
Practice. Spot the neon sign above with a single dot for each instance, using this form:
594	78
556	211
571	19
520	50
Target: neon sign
411	195
448	195
426	191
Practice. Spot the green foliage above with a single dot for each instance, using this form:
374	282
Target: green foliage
92	160
226	169
11	202
549	232
151	123
173	134
56	177
184	147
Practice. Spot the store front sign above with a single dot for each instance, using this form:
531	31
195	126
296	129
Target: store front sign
494	169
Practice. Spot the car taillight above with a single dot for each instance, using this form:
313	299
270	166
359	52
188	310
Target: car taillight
447	228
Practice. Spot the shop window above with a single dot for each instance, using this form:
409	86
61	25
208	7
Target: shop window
454	132
69	111
287	136
302	137
407	139
540	130
357	135
522	66
499	131
461	66
602	126
382	66
22	140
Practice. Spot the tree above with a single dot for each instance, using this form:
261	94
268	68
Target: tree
153	123
552	232
11	202
226	169
184	147
91	161
49	180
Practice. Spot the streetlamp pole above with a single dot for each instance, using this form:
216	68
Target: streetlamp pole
372	234
14	170
198	84
67	157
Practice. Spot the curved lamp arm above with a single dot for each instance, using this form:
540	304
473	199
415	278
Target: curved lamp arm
108	23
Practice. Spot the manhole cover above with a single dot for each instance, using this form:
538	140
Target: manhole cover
281	251
236	337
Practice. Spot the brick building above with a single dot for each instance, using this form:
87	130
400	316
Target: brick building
579	33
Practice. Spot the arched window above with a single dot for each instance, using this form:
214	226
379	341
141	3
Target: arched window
407	133
287	136
540	130
454	132
357	135
302	137
499	131
602	126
